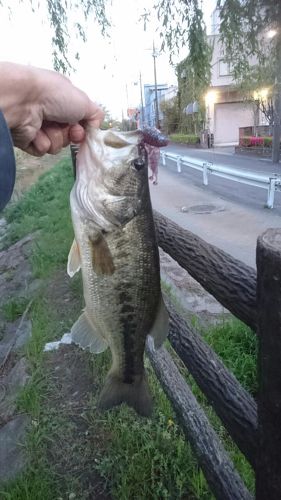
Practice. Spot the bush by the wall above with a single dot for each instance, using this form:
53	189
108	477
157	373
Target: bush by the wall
256	142
185	138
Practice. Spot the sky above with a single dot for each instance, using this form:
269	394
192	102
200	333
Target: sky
109	67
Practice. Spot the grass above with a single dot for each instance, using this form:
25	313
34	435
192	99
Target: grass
14	308
236	344
45	208
185	138
137	458
147	458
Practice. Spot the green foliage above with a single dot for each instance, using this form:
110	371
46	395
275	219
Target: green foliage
36	483
236	344
14	308
256	142
191	89
243	33
170	110
60	12
267	142
183	25
186	139
46	208
153	452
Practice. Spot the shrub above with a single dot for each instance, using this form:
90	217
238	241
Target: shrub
185	138
267	142
245	142
255	142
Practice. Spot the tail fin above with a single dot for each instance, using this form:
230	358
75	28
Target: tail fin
137	395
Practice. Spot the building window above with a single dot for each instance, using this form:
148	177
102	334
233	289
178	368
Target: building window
224	68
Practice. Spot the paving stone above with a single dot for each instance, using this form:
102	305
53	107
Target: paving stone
13	459
16	335
10	386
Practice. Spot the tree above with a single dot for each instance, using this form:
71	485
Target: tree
183	26
191	89
244	29
170	110
59	13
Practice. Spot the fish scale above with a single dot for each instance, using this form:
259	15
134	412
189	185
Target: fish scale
115	244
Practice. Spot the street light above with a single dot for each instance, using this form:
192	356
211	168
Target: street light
154	55
142	108
261	94
210	97
271	33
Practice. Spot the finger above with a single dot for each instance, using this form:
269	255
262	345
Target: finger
55	134
76	133
40	144
94	115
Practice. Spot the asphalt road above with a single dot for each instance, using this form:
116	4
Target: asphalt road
247	196
226	214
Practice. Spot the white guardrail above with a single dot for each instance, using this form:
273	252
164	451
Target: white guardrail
270	182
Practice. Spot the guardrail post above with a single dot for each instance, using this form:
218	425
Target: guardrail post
163	159
268	474
179	164
205	174
271	192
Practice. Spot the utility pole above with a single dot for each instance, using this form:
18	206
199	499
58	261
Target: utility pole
154	55
142	108
277	103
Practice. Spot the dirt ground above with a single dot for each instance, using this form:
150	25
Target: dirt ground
29	168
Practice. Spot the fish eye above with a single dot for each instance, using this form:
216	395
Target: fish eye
139	163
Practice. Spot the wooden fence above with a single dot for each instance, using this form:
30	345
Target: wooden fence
256	300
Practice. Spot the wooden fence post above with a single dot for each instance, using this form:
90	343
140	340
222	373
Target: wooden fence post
268	478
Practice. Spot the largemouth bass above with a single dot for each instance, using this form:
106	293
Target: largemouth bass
115	247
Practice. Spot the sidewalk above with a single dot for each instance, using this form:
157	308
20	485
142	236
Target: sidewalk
229	226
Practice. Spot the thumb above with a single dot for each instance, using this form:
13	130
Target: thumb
94	115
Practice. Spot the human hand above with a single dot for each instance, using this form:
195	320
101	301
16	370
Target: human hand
43	109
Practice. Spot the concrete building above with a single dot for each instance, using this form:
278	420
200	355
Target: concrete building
164	92
226	110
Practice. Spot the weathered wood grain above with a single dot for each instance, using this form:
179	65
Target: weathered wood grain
232	403
230	281
268	477
218	469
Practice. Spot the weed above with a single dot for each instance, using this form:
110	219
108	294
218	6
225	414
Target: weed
236	344
46	208
14	308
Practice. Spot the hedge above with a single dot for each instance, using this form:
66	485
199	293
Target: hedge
256	142
185	138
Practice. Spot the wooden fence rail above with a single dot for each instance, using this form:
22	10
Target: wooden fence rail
219	471
255	427
230	281
232	403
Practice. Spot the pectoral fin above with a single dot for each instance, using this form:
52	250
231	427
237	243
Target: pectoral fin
101	257
74	261
84	334
160	329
